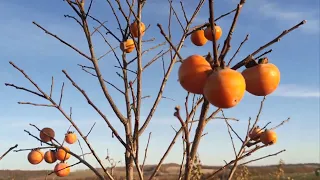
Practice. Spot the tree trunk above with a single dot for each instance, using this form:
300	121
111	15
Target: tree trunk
129	166
128	157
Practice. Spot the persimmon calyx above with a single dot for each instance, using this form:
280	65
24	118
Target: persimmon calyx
263	60
215	67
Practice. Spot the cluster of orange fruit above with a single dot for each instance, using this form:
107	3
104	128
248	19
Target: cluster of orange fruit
36	156
200	37
128	45
225	87
267	137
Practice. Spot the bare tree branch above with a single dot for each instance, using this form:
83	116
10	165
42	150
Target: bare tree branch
10	149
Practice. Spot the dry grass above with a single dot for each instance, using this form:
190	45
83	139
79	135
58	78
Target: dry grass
170	172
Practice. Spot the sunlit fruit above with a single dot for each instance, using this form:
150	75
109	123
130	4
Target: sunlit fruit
50	156
225	88
193	73
268	137
70	138
255	133
127	46
35	156
198	38
47	134
62	155
62	169
208	33
134	29
262	79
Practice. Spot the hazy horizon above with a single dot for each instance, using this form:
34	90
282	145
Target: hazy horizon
42	56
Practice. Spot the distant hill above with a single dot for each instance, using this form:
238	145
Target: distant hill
168	171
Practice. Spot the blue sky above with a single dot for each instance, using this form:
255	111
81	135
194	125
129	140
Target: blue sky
41	56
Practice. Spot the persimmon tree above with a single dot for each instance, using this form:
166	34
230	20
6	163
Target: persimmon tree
208	80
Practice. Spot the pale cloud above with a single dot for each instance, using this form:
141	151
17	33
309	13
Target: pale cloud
297	91
290	16
286	15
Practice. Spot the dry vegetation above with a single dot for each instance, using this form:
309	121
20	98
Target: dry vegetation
170	172
207	84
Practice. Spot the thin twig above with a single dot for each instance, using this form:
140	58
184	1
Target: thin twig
234	55
145	152
74	18
168	40
287	120
35	104
10	149
61	94
51	87
64	42
267	52
277	39
184	12
103	79
24	89
29	149
90	129
227	43
228	127
263	157
65	167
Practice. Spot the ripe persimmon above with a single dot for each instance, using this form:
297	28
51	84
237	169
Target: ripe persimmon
255	133
268	137
62	155
47	134
193	73
70	137
127	46
50	156
225	88
62	169
134	29
262	79
208	33
35	156
198	38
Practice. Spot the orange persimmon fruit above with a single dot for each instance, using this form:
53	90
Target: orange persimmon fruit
198	38
70	137
208	34
50	156
62	155
268	137
134	29
35	156
47	134
262	79
225	88
255	133
127	46
193	73
62	169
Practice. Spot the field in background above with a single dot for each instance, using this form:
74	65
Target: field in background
171	171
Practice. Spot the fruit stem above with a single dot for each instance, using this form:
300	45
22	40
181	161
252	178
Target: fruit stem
251	63
263	60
